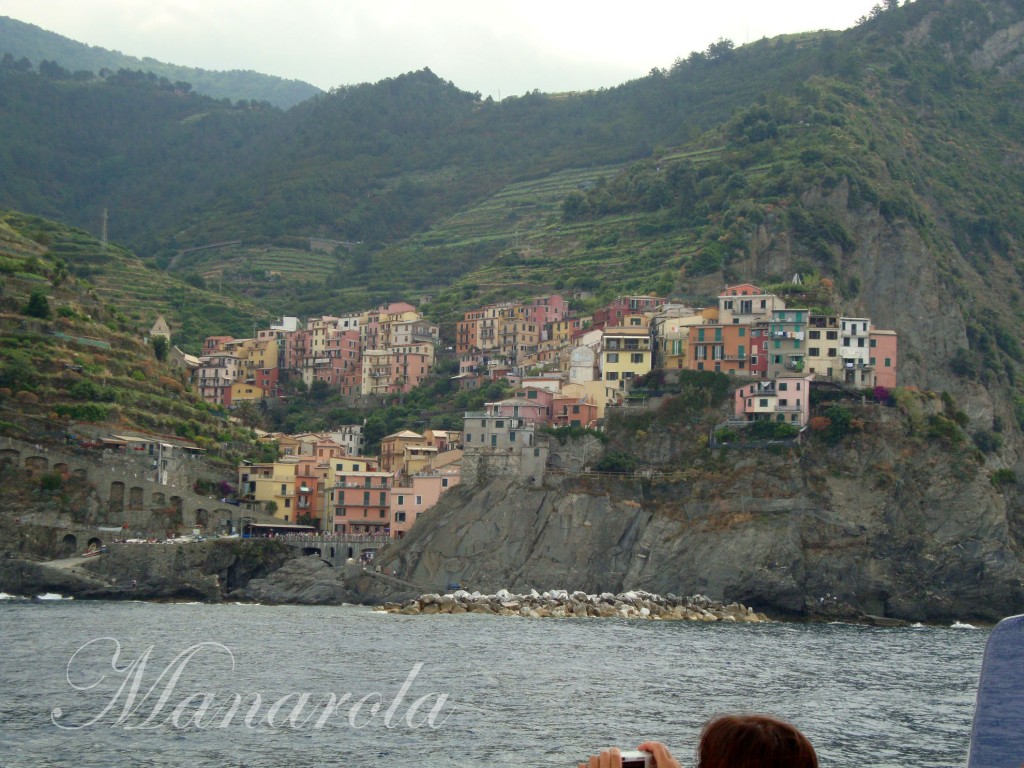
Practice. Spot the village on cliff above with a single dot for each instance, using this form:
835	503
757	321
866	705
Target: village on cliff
562	370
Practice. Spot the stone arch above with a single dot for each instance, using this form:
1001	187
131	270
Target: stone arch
310	551
9	454
69	545
176	502
93	544
136	497
351	552
80	474
332	552
115	504
62	468
36	464
203	518
159	499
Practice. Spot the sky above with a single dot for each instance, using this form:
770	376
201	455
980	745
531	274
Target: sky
495	47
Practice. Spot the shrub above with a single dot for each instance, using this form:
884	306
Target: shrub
839	423
38	305
1003	477
618	462
50	481
987	442
944	429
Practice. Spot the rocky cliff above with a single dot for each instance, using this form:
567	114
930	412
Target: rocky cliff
884	523
207	571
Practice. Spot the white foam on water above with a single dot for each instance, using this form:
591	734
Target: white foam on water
961	625
52	596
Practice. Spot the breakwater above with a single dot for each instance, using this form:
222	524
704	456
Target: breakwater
564	604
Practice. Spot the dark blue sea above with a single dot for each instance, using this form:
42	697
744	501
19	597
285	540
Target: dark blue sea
140	684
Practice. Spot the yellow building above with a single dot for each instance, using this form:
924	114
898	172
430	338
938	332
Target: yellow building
243	390
625	354
270	482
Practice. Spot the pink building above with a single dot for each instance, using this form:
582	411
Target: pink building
786	399
573	412
420	493
883	346
362	502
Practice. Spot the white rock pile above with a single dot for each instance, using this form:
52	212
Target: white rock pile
562	604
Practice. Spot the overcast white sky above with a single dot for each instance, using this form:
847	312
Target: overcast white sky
497	47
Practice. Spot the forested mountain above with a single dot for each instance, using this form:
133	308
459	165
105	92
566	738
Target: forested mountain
887	159
37	45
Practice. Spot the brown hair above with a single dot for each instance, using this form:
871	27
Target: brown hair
754	741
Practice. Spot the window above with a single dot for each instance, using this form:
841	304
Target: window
753	360
612	375
531	395
831	335
469	438
287	503
783	386
444	482
512	437
399	517
636	357
500	424
871	361
814	334
366	498
888	362
613	357
383	497
494	441
419	501
401	501
718	334
831	351
575	409
874	343
813	351
743	332
846	341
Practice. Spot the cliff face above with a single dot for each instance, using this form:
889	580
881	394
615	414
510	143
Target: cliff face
877	525
198	571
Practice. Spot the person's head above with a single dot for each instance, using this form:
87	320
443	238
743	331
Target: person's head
753	741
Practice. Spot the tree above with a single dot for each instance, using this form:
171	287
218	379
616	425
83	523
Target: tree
160	347
38	305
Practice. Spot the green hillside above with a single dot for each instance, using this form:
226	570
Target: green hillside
886	159
36	45
73	352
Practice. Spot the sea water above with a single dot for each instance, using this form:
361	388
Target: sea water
142	684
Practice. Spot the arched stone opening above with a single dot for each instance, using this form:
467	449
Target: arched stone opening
136	497
62	468
69	546
115	504
159	499
203	518
80	474
93	544
35	464
310	551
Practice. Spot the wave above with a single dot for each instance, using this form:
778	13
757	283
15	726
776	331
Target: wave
961	625
52	596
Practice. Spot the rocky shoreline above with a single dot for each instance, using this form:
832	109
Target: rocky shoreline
563	604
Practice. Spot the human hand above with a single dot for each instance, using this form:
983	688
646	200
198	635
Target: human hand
610	758
662	757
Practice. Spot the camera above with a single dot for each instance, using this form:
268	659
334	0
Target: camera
632	758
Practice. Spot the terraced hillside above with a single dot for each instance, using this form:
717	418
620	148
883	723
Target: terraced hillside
73	350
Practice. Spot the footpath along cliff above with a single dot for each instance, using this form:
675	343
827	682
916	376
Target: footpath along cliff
883	523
